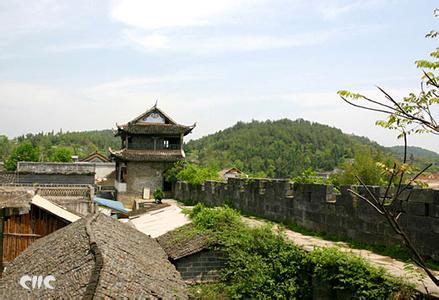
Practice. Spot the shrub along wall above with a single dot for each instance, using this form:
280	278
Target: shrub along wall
317	207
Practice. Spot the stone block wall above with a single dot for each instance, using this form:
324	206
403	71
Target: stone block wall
317	207
204	266
104	169
144	175
56	178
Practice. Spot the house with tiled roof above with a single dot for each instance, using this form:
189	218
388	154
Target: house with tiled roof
96	157
195	255
29	212
94	257
151	143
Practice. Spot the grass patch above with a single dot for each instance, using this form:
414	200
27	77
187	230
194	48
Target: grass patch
207	291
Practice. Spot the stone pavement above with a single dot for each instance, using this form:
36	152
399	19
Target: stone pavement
394	267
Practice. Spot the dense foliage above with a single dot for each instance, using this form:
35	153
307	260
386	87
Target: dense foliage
262	264
191	173
366	165
280	148
276	148
24	152
62	154
158	194
58	146
418	157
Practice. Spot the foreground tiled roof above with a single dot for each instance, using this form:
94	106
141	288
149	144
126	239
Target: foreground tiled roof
178	244
154	128
95	257
147	155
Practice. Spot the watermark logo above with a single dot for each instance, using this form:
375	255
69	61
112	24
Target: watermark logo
37	282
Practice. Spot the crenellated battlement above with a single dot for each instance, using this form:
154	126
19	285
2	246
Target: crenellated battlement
318	207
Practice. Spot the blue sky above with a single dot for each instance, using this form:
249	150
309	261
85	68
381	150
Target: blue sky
81	65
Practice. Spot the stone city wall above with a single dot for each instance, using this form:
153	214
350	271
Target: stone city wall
319	208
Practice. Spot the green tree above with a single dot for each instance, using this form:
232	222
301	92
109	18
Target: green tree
5	147
197	175
365	165
62	154
414	114
24	152
281	148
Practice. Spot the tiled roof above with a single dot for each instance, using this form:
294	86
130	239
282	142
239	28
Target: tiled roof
7	177
178	244
94	157
76	198
95	257
154	128
11	197
147	155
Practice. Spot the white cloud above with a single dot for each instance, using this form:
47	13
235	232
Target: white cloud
333	9
154	41
152	14
73	47
213	45
257	42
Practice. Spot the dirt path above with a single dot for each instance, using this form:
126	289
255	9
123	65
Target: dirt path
393	266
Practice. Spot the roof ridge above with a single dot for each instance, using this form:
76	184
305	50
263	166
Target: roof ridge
98	257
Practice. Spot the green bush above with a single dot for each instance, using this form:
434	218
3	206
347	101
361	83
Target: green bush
196	175
309	176
158	194
263	264
215	219
352	274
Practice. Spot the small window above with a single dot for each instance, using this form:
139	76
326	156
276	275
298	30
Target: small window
166	144
123	174
154	118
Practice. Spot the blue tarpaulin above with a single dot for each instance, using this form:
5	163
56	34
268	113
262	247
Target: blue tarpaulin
113	204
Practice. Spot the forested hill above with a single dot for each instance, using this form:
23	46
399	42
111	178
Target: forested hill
80	143
271	148
415	151
418	156
277	148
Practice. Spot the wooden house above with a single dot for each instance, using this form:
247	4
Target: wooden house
24	220
28	213
194	256
96	257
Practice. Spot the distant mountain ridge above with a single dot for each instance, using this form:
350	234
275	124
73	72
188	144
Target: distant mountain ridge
417	156
416	151
278	148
